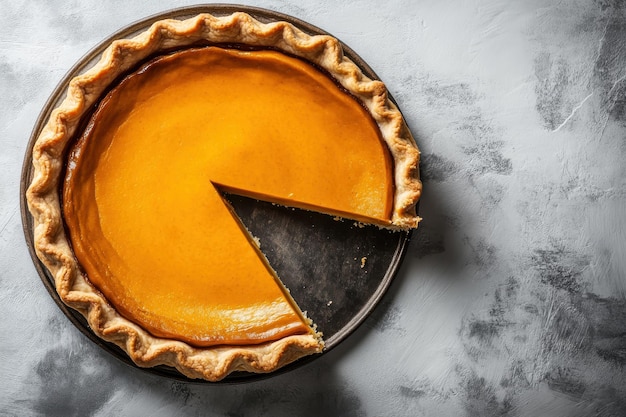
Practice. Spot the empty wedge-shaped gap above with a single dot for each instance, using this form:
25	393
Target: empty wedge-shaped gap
331	266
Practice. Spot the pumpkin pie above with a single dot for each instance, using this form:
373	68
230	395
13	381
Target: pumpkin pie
139	238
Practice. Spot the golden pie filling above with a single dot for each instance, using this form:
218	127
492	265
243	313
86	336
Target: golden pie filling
142	193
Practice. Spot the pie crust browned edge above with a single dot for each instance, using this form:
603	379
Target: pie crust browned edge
52	246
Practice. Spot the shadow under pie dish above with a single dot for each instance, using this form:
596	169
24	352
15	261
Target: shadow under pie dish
140	239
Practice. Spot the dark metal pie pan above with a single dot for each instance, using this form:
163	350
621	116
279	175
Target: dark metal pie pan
337	271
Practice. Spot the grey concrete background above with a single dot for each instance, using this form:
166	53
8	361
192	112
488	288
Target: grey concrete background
511	301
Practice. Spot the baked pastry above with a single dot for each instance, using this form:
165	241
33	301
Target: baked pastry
141	242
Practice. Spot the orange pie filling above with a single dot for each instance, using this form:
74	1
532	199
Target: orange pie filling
142	202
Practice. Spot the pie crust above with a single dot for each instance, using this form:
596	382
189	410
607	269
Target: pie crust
51	243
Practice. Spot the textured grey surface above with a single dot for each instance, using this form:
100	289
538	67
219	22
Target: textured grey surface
512	299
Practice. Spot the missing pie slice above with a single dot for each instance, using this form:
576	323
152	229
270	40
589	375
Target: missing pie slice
140	240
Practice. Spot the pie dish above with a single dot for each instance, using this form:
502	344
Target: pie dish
141	185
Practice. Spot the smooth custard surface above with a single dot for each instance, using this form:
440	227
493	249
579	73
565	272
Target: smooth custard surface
142	199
